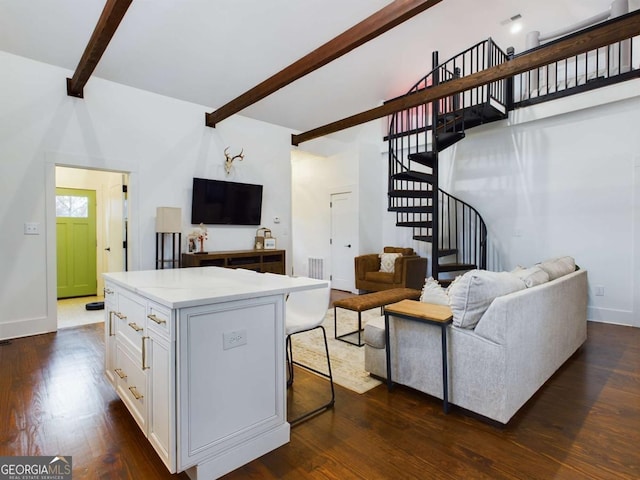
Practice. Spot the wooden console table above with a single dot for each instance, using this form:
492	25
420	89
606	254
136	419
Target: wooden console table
272	261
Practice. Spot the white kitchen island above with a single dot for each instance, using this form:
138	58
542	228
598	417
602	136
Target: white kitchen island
197	356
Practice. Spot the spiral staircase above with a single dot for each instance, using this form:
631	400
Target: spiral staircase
455	230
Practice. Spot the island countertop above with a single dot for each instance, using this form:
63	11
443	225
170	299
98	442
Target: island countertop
188	287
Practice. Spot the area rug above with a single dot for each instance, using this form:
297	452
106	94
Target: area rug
347	361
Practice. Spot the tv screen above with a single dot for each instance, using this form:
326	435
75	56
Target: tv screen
216	202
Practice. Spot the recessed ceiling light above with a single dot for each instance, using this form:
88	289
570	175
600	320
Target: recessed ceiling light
507	21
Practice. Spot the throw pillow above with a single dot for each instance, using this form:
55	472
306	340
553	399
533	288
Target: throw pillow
558	267
531	276
432	292
471	294
388	262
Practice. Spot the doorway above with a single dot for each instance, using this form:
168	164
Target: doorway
344	240
110	244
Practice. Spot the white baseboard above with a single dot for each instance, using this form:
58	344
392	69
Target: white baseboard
610	315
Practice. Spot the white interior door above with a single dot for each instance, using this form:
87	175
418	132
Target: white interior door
344	231
114	226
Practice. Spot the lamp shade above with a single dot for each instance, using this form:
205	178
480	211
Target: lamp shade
168	220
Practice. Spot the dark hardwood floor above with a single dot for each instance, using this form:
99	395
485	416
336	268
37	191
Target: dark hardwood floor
583	424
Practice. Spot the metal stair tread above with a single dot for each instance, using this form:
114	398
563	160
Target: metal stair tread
411	193
411	209
456	267
423	158
416	224
413	176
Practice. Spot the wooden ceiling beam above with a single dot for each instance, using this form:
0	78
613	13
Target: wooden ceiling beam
380	22
110	18
613	31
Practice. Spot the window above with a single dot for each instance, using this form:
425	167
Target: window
71	206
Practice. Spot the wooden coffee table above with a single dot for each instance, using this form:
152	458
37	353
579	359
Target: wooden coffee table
420	312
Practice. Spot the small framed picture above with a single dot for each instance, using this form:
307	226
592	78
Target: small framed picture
270	243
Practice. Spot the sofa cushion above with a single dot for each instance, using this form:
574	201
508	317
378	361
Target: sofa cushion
433	292
379	277
471	294
374	332
388	261
531	276
558	267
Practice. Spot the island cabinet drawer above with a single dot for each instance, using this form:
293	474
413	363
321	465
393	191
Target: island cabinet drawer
130	321
109	295
159	320
131	385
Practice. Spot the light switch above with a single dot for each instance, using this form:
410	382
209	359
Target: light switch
32	228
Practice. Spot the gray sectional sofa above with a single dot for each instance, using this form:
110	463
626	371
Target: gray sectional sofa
498	363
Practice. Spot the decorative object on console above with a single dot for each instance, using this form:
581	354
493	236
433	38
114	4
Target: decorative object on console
168	222
261	234
269	241
200	235
228	163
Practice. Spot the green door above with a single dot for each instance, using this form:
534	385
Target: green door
76	242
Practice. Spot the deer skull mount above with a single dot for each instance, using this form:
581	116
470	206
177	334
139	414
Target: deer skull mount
229	159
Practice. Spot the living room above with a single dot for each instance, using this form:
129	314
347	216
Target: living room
559	178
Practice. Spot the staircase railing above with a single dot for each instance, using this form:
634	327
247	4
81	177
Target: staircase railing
594	69
463	233
413	131
410	130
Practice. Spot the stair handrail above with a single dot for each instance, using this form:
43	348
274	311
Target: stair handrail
473	252
495	57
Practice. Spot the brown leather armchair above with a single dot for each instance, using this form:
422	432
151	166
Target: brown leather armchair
410	271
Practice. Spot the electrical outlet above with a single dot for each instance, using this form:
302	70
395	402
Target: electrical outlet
32	228
599	291
234	339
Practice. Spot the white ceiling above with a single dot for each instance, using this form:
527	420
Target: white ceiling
210	51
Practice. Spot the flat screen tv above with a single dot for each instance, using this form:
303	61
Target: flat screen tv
217	202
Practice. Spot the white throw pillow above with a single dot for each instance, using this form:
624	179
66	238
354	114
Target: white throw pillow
558	267
531	276
388	262
432	292
471	294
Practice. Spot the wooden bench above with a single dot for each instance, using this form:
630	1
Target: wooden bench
369	301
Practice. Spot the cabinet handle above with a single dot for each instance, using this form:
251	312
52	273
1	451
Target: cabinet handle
111	334
159	321
107	291
144	354
121	316
120	373
135	393
136	327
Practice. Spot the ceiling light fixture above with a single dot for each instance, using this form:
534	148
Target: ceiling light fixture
516	26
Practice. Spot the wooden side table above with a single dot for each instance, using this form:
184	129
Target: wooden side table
421	312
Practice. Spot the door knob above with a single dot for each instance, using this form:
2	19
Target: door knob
108	249
348	246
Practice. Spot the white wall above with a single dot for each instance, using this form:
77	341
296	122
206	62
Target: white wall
162	142
560	179
355	164
313	179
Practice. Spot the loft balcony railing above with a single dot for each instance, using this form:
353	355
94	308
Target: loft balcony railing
597	68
